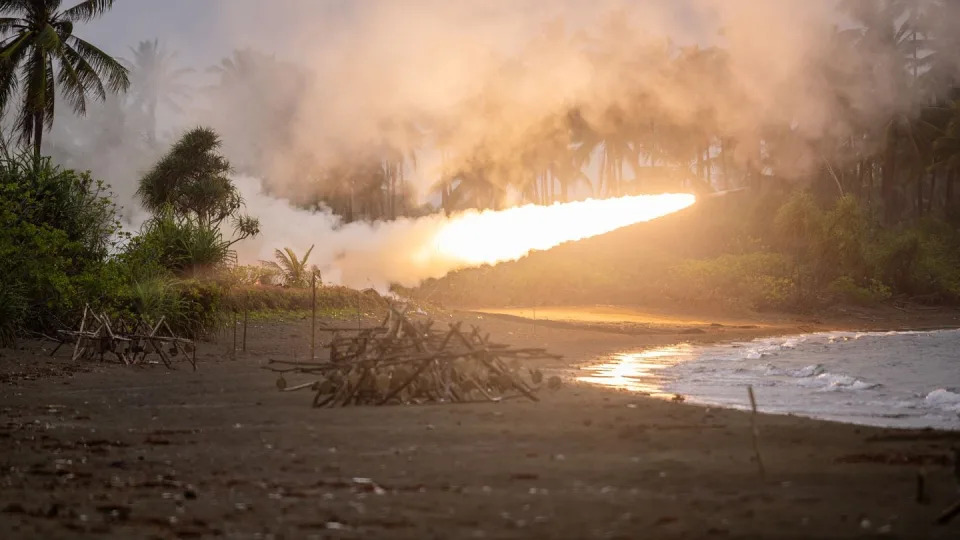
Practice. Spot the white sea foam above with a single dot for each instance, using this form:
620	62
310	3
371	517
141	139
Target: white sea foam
906	379
943	399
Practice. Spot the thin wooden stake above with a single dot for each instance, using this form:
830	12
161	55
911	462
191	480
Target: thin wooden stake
80	334
233	352
313	316
756	433
246	309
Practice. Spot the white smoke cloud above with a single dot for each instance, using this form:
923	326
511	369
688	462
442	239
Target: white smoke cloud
484	76
408	250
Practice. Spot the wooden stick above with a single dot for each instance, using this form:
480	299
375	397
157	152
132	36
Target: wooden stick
245	310
233	353
951	512
299	387
83	322
313	316
756	432
177	343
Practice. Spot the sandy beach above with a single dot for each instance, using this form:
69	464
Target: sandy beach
104	451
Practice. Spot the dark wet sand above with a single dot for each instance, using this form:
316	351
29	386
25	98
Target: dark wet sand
118	452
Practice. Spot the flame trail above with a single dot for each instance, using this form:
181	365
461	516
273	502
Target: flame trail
410	250
489	237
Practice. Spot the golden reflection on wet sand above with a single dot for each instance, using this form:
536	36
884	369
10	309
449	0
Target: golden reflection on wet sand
638	371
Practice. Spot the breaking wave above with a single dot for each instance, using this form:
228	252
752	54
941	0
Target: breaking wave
900	379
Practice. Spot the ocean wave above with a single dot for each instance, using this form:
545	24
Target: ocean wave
797	373
827	381
942	398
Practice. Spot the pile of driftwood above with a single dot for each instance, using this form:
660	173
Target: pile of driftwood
409	361
129	343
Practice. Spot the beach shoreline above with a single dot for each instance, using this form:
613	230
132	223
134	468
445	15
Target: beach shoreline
112	451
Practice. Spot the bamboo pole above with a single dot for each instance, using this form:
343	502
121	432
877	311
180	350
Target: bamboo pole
246	309
233	352
313	316
756	433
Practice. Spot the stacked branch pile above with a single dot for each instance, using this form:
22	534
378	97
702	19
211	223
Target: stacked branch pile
409	361
131	343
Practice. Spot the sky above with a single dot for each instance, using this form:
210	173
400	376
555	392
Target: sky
206	30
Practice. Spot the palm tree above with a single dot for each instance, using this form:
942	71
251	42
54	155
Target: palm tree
192	180
242	67
156	81
612	138
292	269
36	39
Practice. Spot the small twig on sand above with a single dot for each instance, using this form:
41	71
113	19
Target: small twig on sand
756	433
949	513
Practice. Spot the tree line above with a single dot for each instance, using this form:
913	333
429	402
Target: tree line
891	141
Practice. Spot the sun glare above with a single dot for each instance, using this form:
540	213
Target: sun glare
490	237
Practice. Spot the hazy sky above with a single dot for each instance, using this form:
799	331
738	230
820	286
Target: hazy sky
203	31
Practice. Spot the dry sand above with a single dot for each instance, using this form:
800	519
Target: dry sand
108	451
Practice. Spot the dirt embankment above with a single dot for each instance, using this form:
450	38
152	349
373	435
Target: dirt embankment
145	452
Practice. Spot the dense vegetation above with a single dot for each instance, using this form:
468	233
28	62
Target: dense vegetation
731	252
855	201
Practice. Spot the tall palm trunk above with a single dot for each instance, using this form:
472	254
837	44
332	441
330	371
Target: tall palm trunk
948	197
600	174
887	188
920	195
723	165
933	190
37	133
152	119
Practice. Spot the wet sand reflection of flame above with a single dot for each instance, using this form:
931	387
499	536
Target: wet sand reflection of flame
637	371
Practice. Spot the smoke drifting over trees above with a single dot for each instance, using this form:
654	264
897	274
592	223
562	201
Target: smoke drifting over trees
368	110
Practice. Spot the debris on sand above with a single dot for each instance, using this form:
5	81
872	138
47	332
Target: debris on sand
130	344
405	361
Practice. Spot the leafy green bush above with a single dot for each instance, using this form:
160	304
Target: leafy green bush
13	307
193	308
756	280
168	242
275	298
845	289
246	275
923	261
57	227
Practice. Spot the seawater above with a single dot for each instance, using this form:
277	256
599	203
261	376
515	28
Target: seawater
896	379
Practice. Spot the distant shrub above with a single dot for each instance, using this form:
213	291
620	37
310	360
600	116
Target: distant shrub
193	308
756	280
845	289
276	298
179	245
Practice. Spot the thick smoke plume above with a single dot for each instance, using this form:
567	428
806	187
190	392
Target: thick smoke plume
406	251
446	91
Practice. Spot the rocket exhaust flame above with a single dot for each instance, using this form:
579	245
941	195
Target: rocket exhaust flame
476	238
407	251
